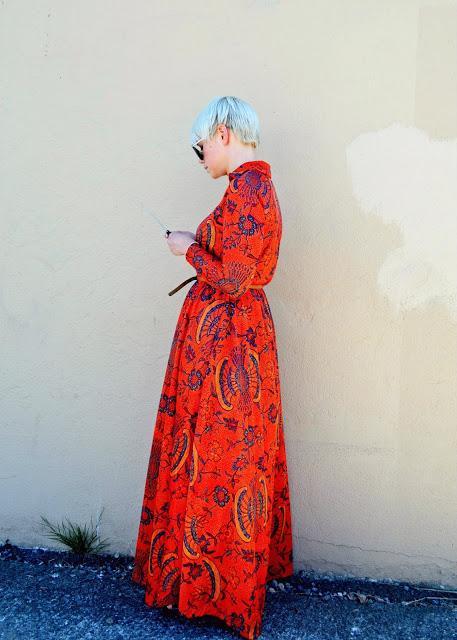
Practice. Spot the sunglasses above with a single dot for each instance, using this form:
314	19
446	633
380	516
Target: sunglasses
198	150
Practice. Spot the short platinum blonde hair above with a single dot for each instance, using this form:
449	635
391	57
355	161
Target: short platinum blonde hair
235	113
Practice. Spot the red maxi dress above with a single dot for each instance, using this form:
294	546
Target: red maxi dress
216	520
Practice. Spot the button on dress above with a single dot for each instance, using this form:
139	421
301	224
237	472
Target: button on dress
216	522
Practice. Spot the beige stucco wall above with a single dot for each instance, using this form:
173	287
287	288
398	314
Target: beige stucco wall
358	108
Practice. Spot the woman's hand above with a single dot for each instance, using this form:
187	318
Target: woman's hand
179	241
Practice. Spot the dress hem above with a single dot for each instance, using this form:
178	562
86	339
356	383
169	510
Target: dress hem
204	612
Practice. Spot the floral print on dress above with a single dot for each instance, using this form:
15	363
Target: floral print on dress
216	524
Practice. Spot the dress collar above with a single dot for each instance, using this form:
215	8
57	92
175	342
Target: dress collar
257	165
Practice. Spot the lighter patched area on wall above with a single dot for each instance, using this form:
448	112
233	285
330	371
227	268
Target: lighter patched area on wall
407	178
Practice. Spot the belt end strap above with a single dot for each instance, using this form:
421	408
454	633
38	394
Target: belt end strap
170	293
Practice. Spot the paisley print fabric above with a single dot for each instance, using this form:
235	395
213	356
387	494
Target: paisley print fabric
216	520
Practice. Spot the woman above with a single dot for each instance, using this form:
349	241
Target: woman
216	520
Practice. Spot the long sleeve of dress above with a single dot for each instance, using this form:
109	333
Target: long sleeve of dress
243	223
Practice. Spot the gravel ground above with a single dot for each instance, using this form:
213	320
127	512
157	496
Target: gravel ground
54	595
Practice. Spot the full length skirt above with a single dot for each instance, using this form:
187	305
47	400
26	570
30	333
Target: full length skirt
216	520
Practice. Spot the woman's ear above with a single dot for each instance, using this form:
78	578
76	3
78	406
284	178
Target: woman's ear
225	133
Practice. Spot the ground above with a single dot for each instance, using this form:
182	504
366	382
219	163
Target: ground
52	595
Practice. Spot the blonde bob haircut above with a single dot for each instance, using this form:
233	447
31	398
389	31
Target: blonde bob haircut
235	113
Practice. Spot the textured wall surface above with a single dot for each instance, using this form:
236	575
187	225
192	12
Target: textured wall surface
358	109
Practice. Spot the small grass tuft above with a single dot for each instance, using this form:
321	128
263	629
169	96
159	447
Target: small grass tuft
81	540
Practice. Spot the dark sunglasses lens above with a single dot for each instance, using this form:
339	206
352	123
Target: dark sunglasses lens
199	152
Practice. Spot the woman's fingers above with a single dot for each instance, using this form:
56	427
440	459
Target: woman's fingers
178	241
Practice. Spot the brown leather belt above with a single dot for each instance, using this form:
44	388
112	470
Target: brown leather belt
181	285
251	286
